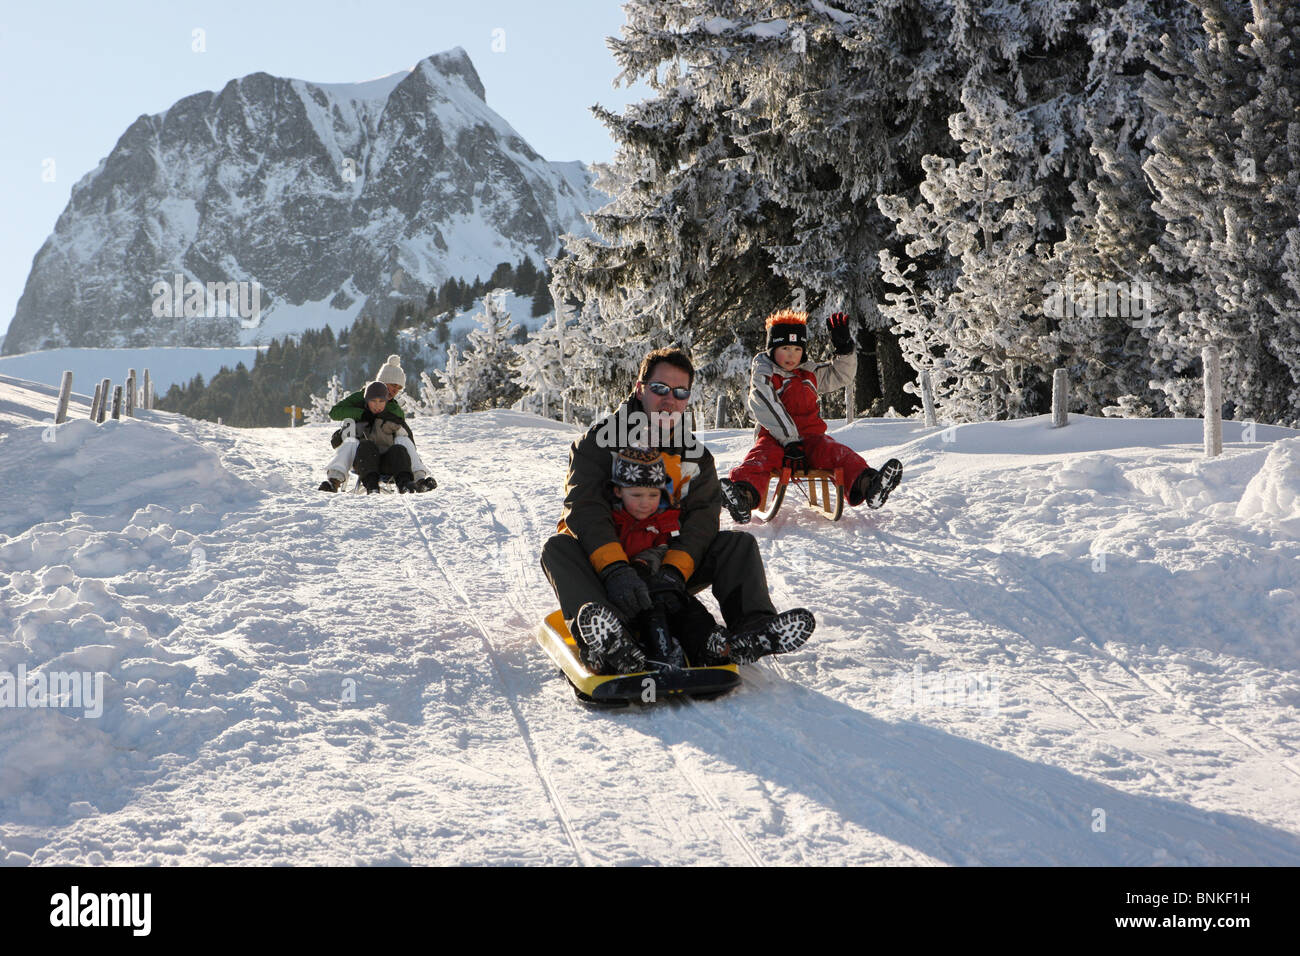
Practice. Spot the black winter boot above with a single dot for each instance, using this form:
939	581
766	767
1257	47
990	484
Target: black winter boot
604	643
874	486
776	635
330	484
740	497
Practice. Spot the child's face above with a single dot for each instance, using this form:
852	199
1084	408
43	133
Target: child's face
639	502
788	356
377	405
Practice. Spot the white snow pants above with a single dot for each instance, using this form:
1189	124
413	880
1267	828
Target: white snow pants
341	463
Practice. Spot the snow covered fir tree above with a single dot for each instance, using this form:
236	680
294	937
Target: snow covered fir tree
943	171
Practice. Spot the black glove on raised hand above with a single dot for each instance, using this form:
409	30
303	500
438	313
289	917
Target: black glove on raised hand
841	334
625	588
668	587
795	457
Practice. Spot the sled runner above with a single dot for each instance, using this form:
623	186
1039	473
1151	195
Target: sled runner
386	484
830	484
618	690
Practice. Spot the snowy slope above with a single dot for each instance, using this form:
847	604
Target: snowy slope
294	677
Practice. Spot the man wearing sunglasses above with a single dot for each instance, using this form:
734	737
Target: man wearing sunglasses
600	592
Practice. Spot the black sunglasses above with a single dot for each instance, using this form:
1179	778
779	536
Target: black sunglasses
659	388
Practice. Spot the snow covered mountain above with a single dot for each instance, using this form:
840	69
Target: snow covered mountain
1069	646
315	199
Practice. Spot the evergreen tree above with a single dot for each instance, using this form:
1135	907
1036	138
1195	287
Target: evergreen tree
490	358
1226	169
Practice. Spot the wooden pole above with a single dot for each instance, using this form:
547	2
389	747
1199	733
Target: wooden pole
717	414
1060	398
117	402
849	396
65	393
148	391
130	393
94	404
927	400
103	404
1213	402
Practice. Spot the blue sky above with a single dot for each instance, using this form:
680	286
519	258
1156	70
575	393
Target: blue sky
73	76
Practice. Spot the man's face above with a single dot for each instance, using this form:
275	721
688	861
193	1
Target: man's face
788	356
671	376
639	502
393	390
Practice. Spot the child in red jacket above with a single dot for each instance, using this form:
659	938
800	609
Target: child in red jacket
646	526
783	397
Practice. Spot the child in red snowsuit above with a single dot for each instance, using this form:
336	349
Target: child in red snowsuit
646	527
783	397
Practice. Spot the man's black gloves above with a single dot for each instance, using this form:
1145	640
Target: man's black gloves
668	587
625	589
841	334
795	457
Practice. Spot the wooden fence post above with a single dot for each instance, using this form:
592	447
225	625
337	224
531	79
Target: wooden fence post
117	402
850	397
65	393
1213	401
130	393
1060	398
717	413
927	400
148	392
104	385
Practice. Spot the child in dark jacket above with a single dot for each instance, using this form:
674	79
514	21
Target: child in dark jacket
783	397
646	527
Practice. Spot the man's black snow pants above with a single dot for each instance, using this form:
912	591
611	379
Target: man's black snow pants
732	566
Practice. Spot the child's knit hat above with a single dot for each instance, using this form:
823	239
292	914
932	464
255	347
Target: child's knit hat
376	390
639	468
787	327
391	373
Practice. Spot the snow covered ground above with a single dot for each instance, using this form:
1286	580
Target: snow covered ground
1070	646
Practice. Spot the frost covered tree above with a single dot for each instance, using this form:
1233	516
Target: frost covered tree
1045	107
321	404
1226	169
490	358
987	339
743	185
454	390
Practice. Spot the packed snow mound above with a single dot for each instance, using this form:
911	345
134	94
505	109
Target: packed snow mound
1275	491
111	468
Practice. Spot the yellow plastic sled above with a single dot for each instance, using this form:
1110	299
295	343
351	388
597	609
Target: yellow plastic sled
618	690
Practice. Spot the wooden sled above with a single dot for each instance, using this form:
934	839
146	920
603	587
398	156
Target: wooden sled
618	690
822	489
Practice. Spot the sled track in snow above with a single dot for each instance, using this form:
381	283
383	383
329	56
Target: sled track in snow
552	794
1100	652
1155	686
